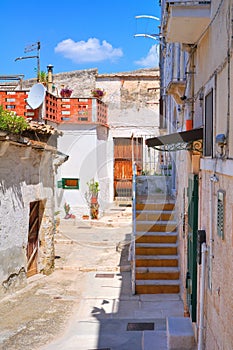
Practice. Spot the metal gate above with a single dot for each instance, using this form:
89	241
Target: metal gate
33	233
191	277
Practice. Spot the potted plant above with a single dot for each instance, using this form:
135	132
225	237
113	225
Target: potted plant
98	93
92	198
66	92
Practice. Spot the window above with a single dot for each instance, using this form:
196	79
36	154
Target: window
68	183
208	133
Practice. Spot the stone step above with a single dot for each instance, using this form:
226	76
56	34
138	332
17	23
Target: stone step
157	273
156	237
147	215
156	260
180	335
148	226
157	287
155	206
156	249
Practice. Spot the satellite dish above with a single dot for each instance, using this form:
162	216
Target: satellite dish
36	95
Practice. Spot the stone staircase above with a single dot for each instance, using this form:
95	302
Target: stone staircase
156	256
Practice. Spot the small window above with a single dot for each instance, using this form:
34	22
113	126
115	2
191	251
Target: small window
10	99
68	183
65	112
10	107
220	213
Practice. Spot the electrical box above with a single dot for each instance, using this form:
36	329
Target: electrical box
201	238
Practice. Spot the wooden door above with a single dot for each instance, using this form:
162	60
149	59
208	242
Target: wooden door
126	151
33	233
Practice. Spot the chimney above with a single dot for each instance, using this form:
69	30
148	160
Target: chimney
50	78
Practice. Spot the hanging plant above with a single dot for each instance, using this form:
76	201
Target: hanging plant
98	93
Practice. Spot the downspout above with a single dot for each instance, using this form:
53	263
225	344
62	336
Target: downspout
213	179
204	250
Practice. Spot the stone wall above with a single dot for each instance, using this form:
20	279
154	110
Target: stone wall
26	176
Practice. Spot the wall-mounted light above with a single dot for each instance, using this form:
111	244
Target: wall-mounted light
201	98
220	140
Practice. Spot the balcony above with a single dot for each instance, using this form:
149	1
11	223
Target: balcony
176	88
186	21
75	110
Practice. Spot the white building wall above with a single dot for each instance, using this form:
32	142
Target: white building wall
90	156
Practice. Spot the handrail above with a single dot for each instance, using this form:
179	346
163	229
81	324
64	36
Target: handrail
133	228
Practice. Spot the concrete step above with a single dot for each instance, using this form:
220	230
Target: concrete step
157	287
157	273
149	226
180	335
154	340
156	237
155	206
148	215
156	249
156	260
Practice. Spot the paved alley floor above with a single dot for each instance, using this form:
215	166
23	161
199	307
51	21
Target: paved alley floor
87	303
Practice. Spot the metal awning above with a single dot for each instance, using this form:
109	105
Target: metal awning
190	140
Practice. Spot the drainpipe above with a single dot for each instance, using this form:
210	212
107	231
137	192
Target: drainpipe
213	179
204	249
190	93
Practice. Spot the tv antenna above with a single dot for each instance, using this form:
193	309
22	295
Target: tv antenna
30	48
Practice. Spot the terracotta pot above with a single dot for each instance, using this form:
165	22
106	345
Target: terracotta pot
93	200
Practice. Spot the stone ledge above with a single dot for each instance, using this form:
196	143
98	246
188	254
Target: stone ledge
180	335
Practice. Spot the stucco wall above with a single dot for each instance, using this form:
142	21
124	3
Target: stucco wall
218	301
90	156
26	176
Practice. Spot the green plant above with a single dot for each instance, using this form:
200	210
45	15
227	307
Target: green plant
42	77
67	208
93	187
11	122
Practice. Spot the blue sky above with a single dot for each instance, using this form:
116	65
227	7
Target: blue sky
77	34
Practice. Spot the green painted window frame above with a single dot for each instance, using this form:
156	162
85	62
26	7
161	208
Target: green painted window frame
64	183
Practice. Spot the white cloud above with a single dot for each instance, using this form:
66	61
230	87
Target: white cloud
152	58
91	50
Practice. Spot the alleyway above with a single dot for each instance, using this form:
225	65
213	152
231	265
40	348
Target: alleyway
86	304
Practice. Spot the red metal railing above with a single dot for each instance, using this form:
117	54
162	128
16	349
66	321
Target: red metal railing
15	101
57	109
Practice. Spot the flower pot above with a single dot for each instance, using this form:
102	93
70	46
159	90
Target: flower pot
93	200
